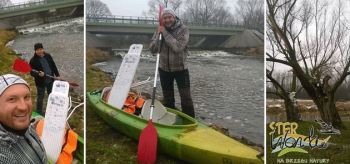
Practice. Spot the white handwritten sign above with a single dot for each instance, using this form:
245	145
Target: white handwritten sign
60	87
54	124
125	77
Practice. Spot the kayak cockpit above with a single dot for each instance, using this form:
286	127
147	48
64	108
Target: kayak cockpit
161	115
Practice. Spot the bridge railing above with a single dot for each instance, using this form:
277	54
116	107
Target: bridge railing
151	20
29	4
121	19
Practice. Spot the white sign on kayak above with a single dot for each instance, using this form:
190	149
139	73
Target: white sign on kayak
55	120
125	76
60	87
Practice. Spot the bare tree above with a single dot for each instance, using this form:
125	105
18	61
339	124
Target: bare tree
312	37
250	13
289	96
4	3
96	9
206	12
153	10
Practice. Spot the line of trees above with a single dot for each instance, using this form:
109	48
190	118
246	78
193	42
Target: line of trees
217	12
4	3
96	8
204	12
286	80
207	12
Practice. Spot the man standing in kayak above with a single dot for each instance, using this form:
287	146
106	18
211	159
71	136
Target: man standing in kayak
19	142
173	60
42	62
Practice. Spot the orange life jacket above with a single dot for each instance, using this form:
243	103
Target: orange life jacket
132	102
69	145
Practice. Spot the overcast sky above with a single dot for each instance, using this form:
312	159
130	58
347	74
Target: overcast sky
18	1
130	7
135	7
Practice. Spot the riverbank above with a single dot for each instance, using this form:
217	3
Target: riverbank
7	58
255	51
104	143
337	151
277	106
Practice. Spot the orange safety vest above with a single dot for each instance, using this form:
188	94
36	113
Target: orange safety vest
132	102
69	145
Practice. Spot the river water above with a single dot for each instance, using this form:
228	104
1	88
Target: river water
227	90
64	40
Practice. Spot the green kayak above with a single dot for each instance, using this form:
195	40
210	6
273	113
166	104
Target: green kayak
186	139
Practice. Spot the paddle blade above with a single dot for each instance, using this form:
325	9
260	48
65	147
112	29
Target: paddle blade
160	15
147	150
73	84
21	66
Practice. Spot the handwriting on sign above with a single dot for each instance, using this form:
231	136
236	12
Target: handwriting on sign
55	111
125	76
128	65
60	87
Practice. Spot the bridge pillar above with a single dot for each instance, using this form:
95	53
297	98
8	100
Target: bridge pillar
45	16
248	38
211	42
79	11
46	19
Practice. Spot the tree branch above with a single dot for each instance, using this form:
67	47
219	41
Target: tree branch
275	83
278	61
342	78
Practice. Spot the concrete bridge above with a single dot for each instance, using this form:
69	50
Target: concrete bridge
12	16
215	36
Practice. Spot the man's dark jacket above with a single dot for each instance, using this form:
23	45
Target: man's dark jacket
36	65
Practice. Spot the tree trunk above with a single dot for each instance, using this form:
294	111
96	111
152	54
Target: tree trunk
323	99
328	111
292	110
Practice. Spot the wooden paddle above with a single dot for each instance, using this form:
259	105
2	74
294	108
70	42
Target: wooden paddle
147	149
22	66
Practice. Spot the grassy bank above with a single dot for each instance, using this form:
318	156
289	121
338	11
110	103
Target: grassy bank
7	55
337	151
7	58
104	144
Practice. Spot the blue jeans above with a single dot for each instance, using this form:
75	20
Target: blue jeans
40	98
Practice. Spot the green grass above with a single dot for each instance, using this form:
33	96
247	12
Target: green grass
337	151
7	58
